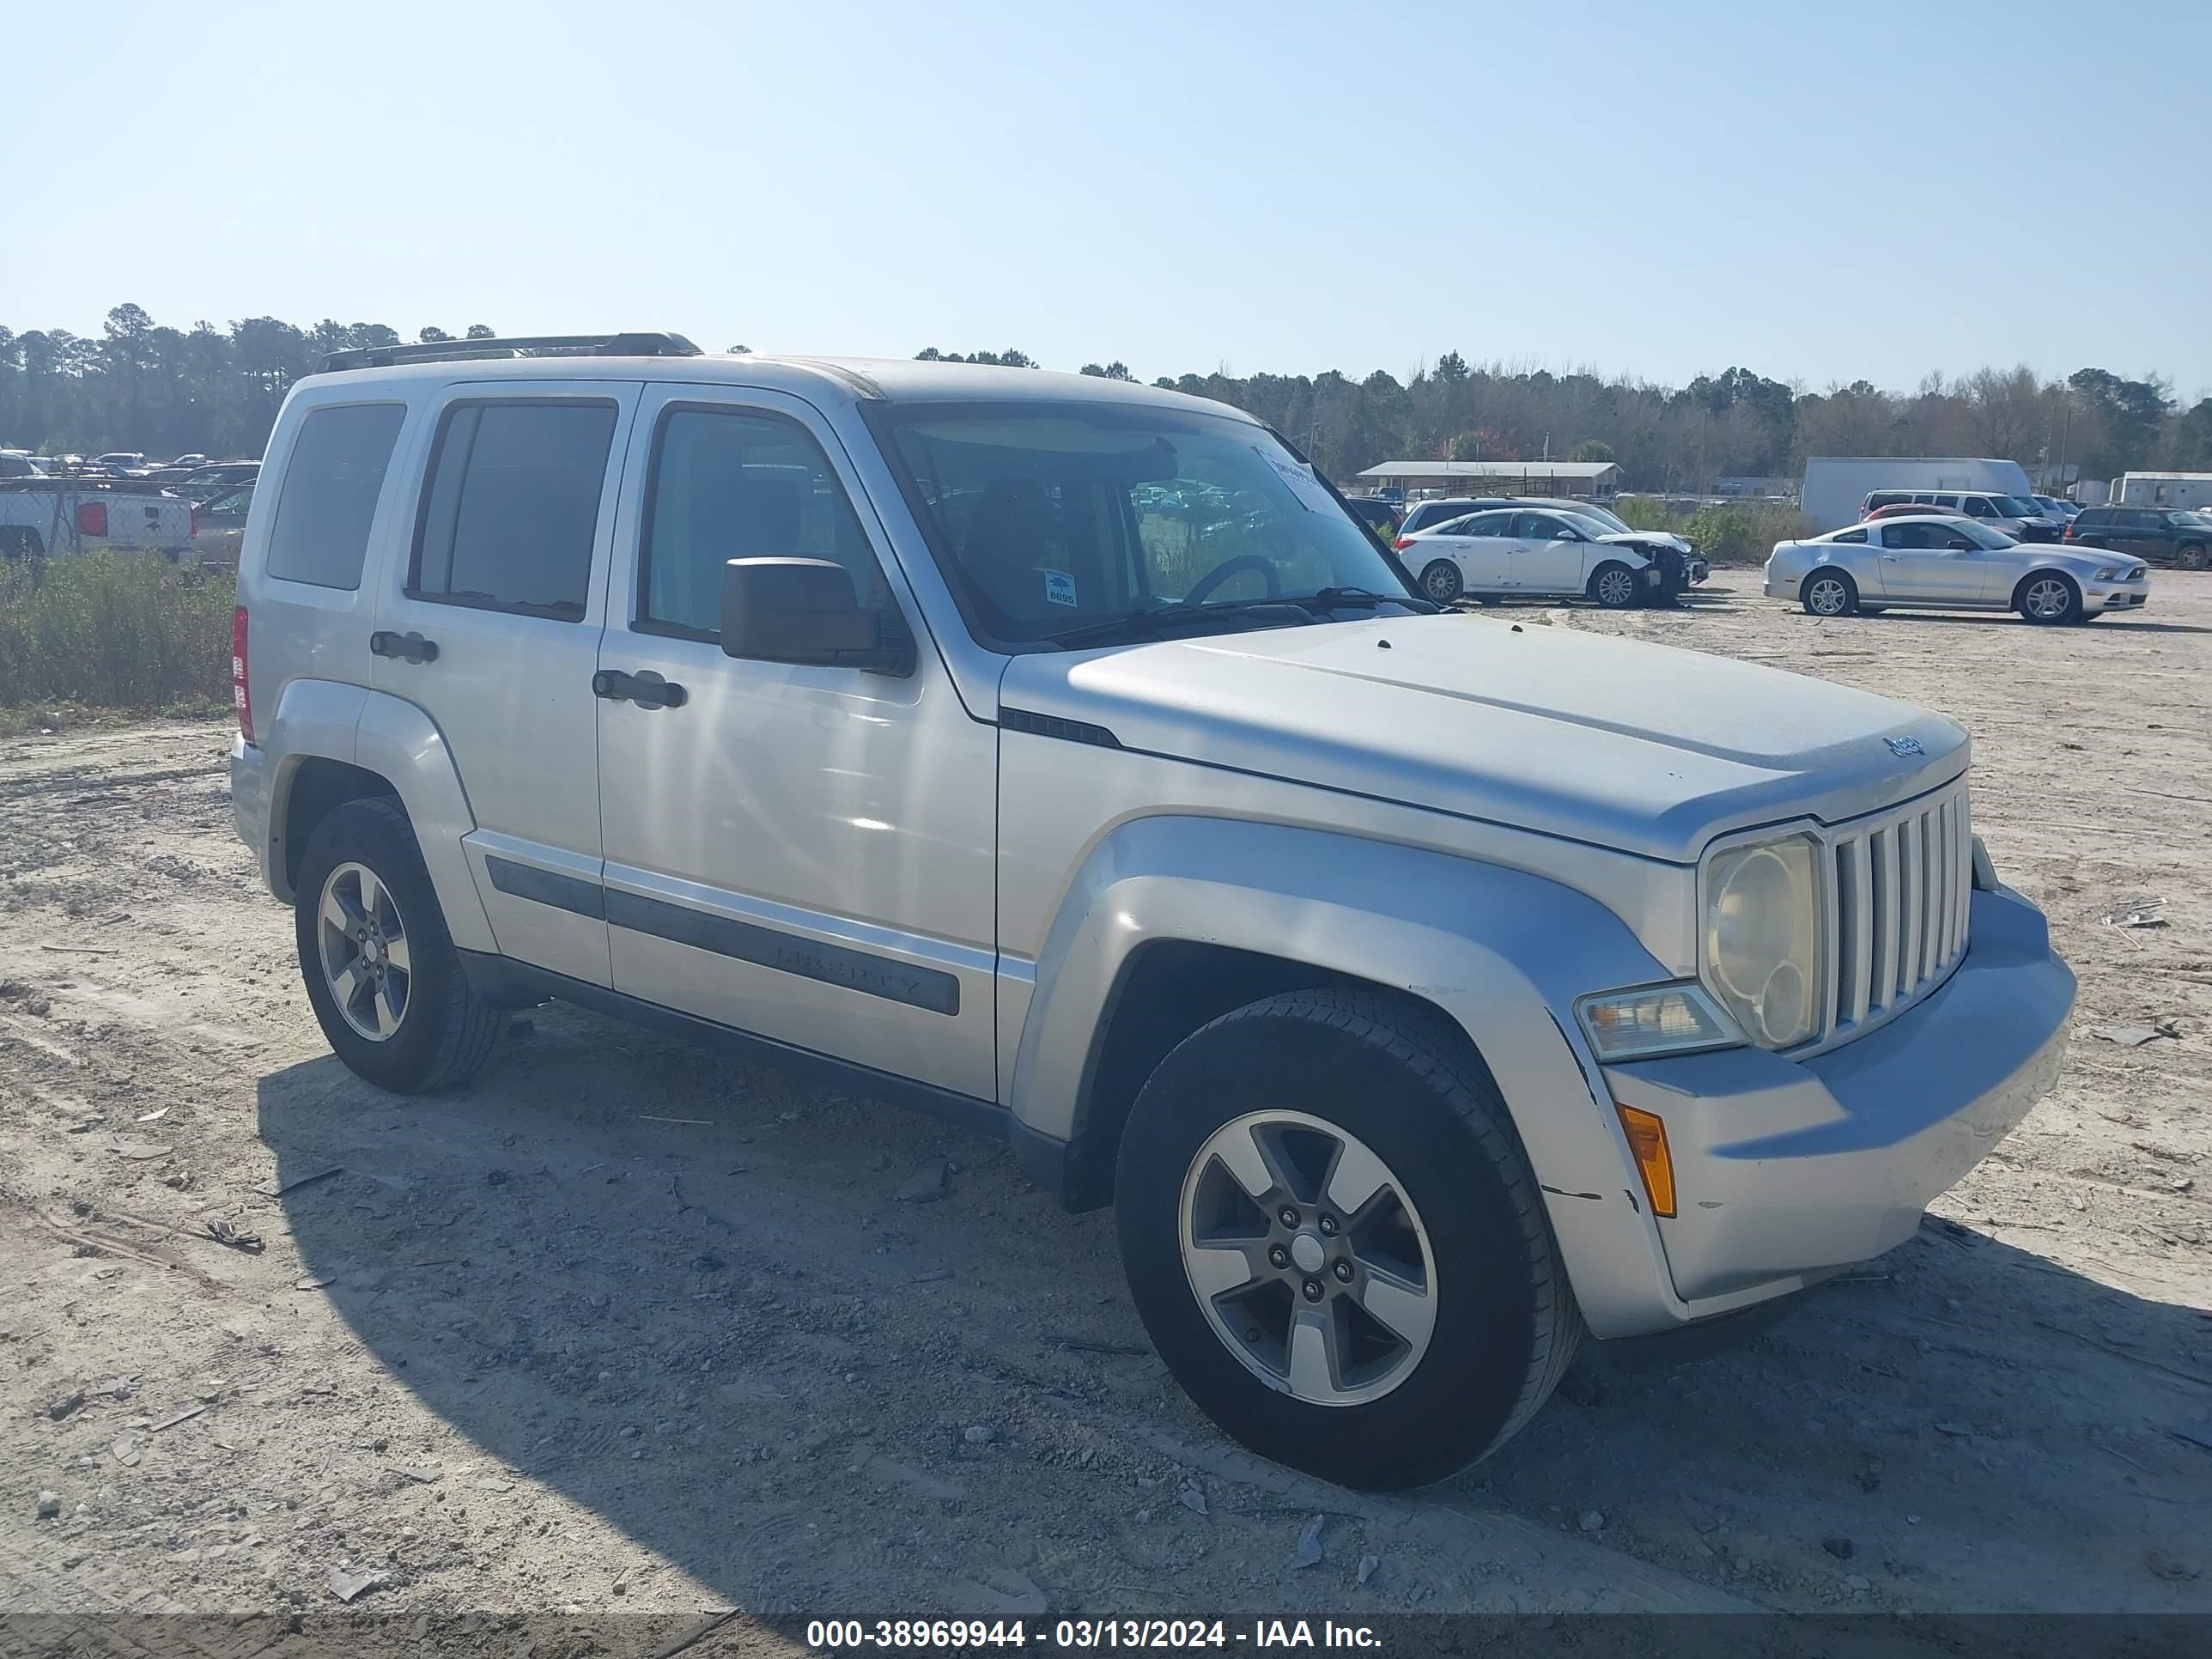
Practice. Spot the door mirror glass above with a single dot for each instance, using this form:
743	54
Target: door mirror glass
1959	544
805	610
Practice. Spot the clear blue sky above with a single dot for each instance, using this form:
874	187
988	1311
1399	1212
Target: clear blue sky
1652	189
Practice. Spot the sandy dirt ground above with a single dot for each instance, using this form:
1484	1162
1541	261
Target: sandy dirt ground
623	1325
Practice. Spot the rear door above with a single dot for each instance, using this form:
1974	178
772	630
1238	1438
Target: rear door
495	632
1483	549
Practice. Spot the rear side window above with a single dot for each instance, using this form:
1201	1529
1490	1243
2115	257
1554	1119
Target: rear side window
328	500
1852	536
511	507
734	484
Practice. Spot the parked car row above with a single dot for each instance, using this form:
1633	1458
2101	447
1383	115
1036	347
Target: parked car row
191	475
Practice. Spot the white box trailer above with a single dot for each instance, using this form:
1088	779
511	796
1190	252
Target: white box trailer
2190	491
1837	485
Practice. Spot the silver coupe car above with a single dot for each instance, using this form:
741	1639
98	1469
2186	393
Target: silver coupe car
1951	563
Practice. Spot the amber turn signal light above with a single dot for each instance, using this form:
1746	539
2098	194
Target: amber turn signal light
1647	1140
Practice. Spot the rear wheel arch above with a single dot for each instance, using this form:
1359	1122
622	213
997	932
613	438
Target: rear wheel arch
316	786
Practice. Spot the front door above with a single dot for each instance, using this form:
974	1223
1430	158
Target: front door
1921	563
1547	555
495	635
805	853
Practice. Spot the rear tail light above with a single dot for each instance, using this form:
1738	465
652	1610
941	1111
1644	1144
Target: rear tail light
238	691
92	518
1403	543
2068	536
195	532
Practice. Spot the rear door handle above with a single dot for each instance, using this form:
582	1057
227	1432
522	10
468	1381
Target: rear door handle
403	647
646	688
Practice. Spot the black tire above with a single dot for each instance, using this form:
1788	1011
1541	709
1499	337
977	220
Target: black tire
2026	599
1442	582
20	542
1403	1080
1812	597
2192	557
1611	594
447	1030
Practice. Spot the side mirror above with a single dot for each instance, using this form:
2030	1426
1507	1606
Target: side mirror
1958	545
804	611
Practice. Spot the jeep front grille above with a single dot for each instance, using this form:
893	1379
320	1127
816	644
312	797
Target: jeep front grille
1902	883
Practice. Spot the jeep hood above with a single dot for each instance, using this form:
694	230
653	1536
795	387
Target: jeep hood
1648	749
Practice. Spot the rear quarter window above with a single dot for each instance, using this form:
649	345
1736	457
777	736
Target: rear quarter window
327	503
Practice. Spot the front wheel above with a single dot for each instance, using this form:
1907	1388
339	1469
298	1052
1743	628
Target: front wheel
1335	1242
1442	581
2049	600
1613	585
381	971
2192	557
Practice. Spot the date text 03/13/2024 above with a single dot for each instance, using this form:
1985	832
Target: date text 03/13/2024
1290	1635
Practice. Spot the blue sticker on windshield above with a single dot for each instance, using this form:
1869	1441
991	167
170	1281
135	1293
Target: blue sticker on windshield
1059	587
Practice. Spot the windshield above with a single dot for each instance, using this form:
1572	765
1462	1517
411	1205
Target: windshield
1614	523
2013	508
1980	533
1590	525
1056	519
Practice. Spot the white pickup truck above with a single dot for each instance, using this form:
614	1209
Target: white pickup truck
46	518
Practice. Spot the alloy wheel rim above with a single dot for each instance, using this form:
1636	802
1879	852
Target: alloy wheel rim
1307	1257
1828	597
1613	586
1440	584
367	961
2047	598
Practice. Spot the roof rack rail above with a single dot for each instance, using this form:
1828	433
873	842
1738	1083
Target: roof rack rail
653	344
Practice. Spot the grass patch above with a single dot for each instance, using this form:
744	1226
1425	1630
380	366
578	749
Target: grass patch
1736	533
114	631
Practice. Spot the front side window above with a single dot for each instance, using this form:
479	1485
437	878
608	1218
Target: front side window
511	508
737	484
1056	519
1539	527
328	499
1979	507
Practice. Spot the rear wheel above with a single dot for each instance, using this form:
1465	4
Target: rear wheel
2192	557
1335	1242
1442	581
2048	599
381	971
1613	585
1830	593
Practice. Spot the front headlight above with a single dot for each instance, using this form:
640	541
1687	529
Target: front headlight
1763	955
2107	573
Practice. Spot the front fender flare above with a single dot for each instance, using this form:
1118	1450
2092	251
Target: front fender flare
1502	952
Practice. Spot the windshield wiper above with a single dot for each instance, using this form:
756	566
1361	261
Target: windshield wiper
1148	622
1366	598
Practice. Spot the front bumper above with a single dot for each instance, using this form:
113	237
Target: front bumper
2115	596
1787	1170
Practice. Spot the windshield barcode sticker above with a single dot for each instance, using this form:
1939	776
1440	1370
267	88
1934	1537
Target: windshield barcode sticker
1312	493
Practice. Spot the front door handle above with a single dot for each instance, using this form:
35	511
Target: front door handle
402	647
646	688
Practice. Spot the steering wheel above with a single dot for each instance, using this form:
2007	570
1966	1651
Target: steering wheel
1236	566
